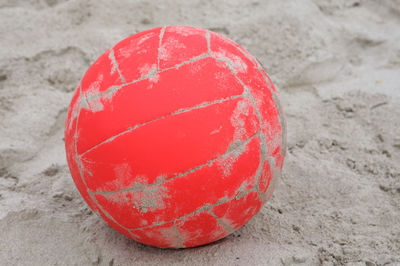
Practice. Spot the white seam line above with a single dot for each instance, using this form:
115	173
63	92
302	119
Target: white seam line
114	61
229	229
194	169
204	207
178	236
196	58
133	237
179	111
159	47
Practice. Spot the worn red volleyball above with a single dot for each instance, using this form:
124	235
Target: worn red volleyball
175	136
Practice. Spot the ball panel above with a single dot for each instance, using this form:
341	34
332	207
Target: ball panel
169	146
199	229
101	75
181	44
238	212
223	178
137	55
246	69
185	87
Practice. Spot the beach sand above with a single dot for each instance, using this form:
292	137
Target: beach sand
337	66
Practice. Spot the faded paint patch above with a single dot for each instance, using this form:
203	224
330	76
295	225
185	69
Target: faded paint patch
167	235
123	171
135	46
94	105
75	108
95	85
109	94
144	38
95	100
169	45
124	178
235	62
238	119
147	70
152	198
91	95
143	222
221	75
184	31
192	234
229	222
227	161
154	78
114	65
195	68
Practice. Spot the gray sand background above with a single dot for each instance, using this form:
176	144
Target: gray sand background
337	64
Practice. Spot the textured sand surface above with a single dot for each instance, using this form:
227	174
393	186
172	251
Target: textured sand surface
337	64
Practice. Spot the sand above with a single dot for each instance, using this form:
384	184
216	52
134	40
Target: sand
337	64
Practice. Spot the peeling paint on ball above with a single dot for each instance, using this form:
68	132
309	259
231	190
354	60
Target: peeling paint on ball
175	137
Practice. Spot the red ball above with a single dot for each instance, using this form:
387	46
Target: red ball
175	136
